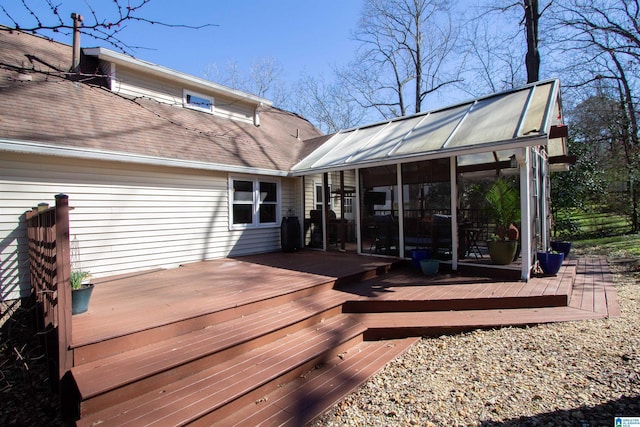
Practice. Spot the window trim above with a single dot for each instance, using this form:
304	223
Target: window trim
186	93
255	214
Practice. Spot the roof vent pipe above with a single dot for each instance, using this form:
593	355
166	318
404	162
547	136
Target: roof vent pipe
75	59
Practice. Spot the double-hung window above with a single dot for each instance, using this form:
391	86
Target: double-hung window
253	202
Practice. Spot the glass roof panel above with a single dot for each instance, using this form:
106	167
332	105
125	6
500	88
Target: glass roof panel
384	142
535	115
363	142
333	144
433	132
475	159
511	118
491	120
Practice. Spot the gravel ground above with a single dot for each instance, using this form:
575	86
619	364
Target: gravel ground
25	392
565	374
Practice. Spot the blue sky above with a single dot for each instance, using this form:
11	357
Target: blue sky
308	36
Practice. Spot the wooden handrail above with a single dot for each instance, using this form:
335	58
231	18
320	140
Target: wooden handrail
50	273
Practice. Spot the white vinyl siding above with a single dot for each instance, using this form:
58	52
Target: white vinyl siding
125	218
132	85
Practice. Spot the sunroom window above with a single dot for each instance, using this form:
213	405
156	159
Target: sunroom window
253	202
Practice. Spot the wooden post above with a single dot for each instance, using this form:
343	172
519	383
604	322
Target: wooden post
63	285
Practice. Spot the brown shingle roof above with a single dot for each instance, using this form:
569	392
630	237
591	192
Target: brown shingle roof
53	109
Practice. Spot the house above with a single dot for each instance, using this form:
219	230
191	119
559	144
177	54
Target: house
163	168
148	156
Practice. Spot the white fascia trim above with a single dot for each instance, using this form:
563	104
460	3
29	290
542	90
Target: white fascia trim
528	141
151	68
23	147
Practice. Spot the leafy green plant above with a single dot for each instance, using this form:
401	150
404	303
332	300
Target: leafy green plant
504	203
77	276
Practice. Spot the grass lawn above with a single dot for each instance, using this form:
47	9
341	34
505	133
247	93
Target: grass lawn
576	222
625	246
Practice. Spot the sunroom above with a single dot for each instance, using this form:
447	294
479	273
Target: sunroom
426	181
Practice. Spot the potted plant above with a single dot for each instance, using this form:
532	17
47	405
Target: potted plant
429	266
504	205
418	255
550	261
81	289
560	246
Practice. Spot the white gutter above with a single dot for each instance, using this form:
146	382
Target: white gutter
158	70
24	147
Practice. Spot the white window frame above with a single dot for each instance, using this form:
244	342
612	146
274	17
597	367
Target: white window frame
185	96
256	202
318	193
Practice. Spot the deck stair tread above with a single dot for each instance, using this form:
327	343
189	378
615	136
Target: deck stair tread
117	370
157	289
407	290
190	398
591	297
474	318
310	395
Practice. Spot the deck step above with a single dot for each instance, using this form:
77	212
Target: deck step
308	396
107	381
398	324
406	290
137	328
240	379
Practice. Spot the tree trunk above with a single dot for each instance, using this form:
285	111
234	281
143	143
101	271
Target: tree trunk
531	17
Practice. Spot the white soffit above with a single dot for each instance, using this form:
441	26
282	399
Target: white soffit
472	130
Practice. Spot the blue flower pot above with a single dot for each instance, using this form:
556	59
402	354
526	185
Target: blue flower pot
430	266
418	255
80	299
563	247
550	263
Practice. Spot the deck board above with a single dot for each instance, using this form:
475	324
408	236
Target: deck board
117	370
133	303
299	401
188	399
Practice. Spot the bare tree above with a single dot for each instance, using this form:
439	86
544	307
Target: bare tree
328	106
263	79
494	62
106	26
607	36
531	14
406	53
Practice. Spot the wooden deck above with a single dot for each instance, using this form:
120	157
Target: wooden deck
139	302
279	338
